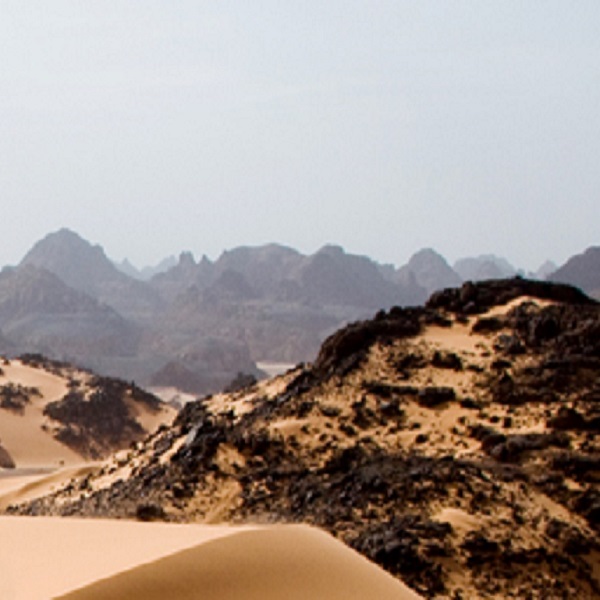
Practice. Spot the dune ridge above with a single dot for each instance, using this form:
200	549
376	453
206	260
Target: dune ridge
291	562
46	557
42	558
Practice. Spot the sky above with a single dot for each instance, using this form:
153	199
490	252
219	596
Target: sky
385	126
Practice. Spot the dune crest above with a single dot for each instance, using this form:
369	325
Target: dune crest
292	562
45	558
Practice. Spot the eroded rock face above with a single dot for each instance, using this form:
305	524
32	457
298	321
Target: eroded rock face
429	445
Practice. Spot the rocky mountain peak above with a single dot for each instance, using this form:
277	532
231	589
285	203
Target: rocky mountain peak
430	270
77	262
85	267
484	266
582	270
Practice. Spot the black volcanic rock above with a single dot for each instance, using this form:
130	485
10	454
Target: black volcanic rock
581	270
344	350
477	298
101	420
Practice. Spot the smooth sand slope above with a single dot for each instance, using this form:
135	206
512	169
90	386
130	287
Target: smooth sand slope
291	562
42	558
29	444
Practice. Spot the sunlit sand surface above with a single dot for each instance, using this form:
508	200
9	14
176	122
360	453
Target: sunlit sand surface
81	559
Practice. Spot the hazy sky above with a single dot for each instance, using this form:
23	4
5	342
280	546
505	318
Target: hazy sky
382	125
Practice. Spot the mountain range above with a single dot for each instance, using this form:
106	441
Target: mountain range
195	325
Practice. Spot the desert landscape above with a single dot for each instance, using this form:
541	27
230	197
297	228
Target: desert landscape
299	300
452	445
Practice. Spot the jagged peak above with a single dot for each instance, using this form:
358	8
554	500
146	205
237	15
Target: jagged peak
186	258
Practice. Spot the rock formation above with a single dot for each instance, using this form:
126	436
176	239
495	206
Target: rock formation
431	271
485	266
581	270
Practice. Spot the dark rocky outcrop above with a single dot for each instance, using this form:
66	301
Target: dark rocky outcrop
473	298
101	419
15	397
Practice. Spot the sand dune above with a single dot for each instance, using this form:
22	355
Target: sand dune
29	435
23	435
293	562
45	558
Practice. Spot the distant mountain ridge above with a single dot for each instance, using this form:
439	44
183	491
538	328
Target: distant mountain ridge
581	270
203	322
430	270
147	272
40	313
485	266
85	267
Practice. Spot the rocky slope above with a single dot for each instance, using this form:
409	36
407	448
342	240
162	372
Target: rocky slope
455	445
85	267
40	313
581	270
485	266
430	270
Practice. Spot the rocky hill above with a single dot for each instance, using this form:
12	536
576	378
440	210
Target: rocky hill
581	270
430	270
455	444
40	313
485	266
85	267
